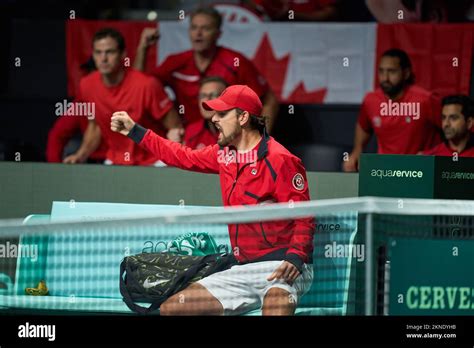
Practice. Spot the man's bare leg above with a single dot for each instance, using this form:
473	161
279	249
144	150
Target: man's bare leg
278	302
194	300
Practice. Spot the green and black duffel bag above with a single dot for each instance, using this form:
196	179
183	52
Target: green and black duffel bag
154	277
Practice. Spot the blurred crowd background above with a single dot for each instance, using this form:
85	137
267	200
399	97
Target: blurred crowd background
319	132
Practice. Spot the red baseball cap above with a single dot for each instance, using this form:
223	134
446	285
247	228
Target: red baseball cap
236	96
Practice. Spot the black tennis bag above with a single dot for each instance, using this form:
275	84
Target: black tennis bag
154	277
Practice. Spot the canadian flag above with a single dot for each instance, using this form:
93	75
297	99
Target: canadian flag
304	63
308	62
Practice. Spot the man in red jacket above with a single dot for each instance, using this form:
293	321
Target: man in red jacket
275	257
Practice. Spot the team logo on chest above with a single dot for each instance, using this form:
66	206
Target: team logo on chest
298	182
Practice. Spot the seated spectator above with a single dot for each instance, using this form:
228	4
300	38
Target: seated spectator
112	88
63	130
69	130
202	133
457	118
183	71
403	116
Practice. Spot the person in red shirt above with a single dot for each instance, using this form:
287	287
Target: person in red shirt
274	258
183	71
111	88
457	118
202	133
403	116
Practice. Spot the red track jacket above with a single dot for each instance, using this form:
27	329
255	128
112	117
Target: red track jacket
268	174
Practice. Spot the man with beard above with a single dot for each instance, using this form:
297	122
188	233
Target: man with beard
403	116
274	257
457	118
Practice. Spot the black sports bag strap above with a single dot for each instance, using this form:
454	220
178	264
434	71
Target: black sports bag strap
127	298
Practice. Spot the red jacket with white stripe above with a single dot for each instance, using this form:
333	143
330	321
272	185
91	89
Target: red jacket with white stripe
268	173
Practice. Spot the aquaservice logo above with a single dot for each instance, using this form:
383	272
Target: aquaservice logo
396	173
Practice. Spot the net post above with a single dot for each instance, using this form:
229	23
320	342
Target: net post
369	265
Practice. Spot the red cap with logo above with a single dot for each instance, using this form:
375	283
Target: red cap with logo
236	96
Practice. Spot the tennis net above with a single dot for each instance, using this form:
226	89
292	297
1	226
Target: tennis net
362	248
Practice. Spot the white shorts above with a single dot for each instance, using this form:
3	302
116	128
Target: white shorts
242	288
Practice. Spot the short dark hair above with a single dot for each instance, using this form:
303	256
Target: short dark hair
404	59
463	100
208	79
210	11
110	32
256	122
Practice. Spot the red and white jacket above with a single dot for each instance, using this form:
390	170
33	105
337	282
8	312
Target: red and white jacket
267	174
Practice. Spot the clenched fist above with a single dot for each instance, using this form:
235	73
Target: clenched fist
121	123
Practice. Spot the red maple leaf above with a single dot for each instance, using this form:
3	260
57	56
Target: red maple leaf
275	71
301	96
269	66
